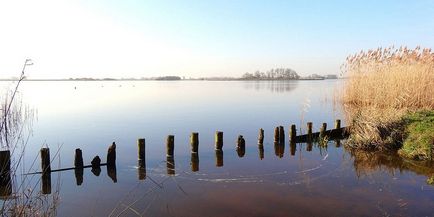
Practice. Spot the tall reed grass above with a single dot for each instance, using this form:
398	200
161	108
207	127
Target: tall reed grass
16	122
382	85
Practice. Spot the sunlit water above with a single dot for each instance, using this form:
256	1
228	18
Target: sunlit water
327	181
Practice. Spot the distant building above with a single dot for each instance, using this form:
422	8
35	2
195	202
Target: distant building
331	76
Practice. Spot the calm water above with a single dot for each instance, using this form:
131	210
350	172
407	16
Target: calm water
327	181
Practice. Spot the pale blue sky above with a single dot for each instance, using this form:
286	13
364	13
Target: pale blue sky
201	38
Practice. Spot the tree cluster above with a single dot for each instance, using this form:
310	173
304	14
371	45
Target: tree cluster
272	74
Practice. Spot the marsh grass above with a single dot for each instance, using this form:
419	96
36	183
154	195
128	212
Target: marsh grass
382	86
16	122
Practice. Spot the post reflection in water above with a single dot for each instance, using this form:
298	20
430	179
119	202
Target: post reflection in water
194	162
338	143
141	169
219	158
309	146
79	175
293	148
170	164
261	151
96	171
111	172
279	149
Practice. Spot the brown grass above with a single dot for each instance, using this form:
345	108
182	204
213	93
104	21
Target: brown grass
381	86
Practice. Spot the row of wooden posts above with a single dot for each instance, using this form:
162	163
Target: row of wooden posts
279	141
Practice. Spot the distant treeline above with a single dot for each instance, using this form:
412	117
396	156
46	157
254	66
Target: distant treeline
272	74
168	78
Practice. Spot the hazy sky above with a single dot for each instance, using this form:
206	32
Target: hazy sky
127	38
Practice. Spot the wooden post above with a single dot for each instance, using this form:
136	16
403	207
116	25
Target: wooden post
141	169
241	143
45	160
5	173
111	155
293	133
194	141
46	183
96	165
46	171
293	148
261	151
78	159
111	172
79	175
322	130
241	146
218	140
5	167
309	131
170	164
338	124
281	134
170	144
141	145
194	162
261	136
219	158
276	135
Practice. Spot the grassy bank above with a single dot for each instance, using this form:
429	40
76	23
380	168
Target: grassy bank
419	135
386	97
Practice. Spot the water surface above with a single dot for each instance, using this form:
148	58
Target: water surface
301	180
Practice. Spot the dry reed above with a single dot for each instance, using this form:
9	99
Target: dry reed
381	86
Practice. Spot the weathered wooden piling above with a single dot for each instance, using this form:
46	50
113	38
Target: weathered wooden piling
46	183
79	175
141	170
338	124
279	149
293	148
261	151
241	142
78	159
293	133
170	145
111	155
141	147
170	164
96	165
261	136
46	171
309	131
45	160
96	162
5	173
322	130
276	135
281	134
194	162
5	167
219	158
111	172
194	142
241	146
218	140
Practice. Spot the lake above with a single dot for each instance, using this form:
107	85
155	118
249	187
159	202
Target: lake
300	180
